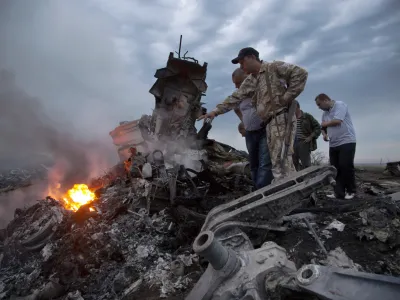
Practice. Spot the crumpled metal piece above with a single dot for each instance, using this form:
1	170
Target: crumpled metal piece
339	258
335	224
74	296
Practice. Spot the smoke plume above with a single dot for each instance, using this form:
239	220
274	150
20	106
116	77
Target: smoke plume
65	86
30	137
28	131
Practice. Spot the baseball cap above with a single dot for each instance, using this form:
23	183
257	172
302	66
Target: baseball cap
245	52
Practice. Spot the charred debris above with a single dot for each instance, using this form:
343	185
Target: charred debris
137	238
393	168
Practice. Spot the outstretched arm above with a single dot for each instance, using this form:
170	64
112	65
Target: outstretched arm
246	90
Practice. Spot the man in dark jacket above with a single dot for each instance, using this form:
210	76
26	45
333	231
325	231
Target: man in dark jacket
307	133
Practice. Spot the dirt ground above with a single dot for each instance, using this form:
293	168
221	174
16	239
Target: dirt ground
371	254
370	238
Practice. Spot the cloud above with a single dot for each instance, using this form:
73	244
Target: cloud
380	39
237	29
302	52
395	18
266	48
378	51
75	61
344	13
126	49
160	23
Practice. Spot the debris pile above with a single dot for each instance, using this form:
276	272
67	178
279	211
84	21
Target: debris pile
393	168
49	252
121	251
18	178
366	229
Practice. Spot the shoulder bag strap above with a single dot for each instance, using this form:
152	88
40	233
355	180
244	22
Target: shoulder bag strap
273	105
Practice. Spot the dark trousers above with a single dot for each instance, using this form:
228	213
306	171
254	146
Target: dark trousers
259	158
342	158
301	154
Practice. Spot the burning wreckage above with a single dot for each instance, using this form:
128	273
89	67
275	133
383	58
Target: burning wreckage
129	235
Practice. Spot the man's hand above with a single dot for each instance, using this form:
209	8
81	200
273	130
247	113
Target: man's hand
308	139
325	124
211	115
325	136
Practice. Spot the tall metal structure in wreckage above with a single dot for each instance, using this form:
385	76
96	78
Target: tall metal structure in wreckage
177	91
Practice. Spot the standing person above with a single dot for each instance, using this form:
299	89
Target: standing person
307	132
338	129
273	86
255	135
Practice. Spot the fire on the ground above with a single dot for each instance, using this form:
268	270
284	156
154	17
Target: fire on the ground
75	197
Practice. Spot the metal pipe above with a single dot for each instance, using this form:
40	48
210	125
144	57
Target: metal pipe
207	246
180	45
315	235
336	284
241	168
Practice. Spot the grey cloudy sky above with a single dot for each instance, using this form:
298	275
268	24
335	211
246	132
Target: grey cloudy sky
91	63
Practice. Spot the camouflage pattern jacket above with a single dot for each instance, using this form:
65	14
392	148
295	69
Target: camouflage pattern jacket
287	82
310	125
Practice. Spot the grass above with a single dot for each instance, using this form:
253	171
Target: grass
371	167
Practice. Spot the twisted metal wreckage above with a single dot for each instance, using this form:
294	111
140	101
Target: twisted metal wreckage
237	270
167	149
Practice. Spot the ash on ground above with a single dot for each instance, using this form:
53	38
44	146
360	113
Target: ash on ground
122	251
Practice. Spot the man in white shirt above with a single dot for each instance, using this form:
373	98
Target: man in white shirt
338	129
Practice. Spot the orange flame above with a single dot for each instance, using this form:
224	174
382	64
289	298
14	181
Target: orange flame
78	195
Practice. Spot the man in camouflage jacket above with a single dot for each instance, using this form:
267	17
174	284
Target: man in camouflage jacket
272	86
307	132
